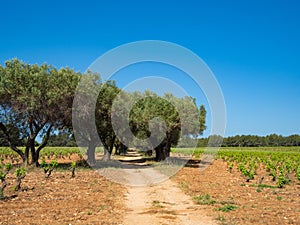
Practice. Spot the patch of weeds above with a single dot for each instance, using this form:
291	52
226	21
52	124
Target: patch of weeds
227	208
279	198
157	204
263	186
242	185
197	154
89	212
205	200
258	190
283	179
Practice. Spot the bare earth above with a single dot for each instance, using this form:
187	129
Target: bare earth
160	204
86	199
266	206
90	198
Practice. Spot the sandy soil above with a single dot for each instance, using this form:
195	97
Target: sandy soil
86	199
163	203
254	205
90	198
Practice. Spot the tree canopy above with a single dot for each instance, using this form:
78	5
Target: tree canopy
37	100
180	116
45	102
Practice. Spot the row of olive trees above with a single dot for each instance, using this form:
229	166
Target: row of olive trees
39	100
128	119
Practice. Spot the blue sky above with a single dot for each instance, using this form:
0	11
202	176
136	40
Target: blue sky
253	47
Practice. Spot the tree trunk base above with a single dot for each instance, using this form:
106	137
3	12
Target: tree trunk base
106	156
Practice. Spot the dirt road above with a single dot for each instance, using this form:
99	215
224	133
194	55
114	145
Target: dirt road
158	204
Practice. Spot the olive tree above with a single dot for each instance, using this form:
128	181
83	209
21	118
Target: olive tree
180	115
92	109
107	95
36	99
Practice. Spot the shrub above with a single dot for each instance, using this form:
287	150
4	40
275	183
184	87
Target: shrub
20	174
48	168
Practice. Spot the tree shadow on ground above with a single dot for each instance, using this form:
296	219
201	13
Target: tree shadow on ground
145	162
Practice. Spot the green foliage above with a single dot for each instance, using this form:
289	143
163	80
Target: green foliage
35	99
260	186
298	173
279	162
283	179
48	167
2	175
288	166
106	96
90	88
273	174
7	167
73	164
73	167
15	136
54	164
227	208
3	172
20	174
230	166
247	172
272	140
205	200
65	139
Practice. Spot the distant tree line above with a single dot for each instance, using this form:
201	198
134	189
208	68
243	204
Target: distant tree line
251	141
272	140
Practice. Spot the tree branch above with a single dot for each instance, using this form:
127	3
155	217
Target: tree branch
46	139
11	145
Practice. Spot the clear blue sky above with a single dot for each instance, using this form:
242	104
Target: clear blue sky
253	47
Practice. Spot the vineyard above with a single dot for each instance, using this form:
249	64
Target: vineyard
258	185
282	164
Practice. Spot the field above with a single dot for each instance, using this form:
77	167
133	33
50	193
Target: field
242	186
247	185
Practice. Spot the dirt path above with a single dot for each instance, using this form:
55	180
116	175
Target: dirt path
159	204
